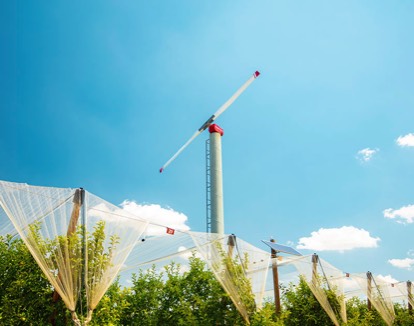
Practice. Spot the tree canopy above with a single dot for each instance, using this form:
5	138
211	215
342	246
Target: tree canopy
160	297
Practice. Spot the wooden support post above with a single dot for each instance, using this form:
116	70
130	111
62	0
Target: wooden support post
77	203
315	260
231	242
369	290
410	297
276	288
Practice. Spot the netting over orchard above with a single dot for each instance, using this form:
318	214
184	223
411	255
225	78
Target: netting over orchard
82	242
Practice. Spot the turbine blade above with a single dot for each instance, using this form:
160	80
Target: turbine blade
210	120
180	150
230	101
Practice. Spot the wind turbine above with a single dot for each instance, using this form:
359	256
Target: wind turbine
217	211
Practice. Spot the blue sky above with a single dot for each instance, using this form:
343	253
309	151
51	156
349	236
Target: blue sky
100	94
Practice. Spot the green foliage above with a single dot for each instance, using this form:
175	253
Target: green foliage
166	297
111	308
143	299
170	297
22	277
267	316
69	250
359	315
403	316
303	308
209	303
234	268
25	294
99	259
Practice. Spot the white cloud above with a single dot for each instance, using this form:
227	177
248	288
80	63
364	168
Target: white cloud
387	278
366	154
405	213
338	239
112	214
157	215
406	141
405	263
138	215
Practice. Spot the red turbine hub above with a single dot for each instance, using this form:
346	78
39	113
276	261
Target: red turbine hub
215	128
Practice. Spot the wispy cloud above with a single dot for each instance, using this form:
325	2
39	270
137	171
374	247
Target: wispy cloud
365	155
406	263
157	215
405	141
338	239
410	253
404	214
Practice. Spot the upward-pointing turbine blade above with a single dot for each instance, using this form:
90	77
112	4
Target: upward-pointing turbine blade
230	101
206	124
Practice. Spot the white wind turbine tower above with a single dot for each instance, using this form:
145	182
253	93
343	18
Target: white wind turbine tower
216	177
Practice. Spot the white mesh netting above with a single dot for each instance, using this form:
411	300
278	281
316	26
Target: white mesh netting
239	267
81	242
321	276
377	292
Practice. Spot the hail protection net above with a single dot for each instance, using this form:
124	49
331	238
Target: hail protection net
287	275
82	242
321	278
402	292
377	292
238	266
79	240
398	292
158	251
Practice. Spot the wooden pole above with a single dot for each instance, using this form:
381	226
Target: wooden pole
231	242
276	288
369	290
315	260
410	297
77	203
